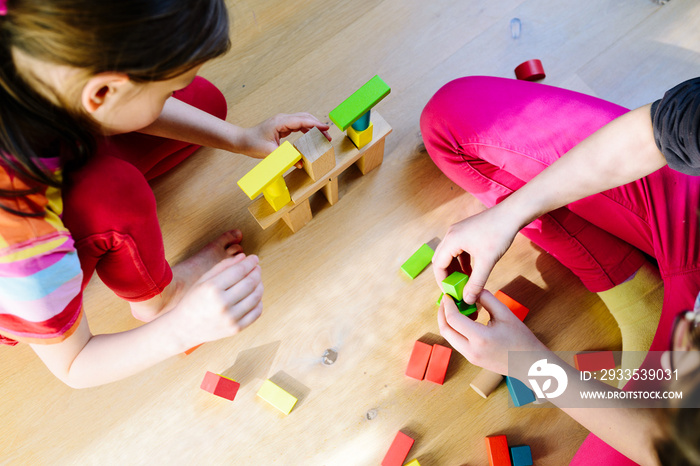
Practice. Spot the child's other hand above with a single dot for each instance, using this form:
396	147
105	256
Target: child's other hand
265	137
224	301
486	345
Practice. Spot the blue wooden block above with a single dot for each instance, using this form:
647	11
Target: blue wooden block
519	392
521	455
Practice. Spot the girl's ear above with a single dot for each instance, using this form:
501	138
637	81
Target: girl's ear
103	90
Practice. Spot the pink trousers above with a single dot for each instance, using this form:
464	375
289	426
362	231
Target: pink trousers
110	209
491	135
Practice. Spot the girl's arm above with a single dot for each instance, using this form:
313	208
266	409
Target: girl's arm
222	303
183	122
621	152
631	431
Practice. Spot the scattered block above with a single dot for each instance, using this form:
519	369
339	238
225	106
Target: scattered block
521	455
530	70
277	397
359	103
497	449
267	176
592	362
317	153
412	463
418	261
360	138
398	451
515	307
191	350
418	362
519	392
437	365
454	285
220	386
486	382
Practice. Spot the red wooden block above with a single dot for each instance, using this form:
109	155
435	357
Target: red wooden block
530	70
497	448
592	362
220	385
398	451
419	360
437	366
515	307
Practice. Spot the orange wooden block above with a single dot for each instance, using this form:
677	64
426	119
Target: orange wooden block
437	366
418	362
515	307
189	351
497	448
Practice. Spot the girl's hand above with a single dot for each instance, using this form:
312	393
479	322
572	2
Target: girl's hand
224	301
264	138
486	345
485	237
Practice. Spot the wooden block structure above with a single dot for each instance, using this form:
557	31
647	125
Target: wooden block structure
276	396
521	455
398	451
437	365
497	449
267	176
418	261
519	392
418	362
301	183
595	361
486	381
220	386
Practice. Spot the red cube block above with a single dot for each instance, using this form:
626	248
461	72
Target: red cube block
592	362
220	385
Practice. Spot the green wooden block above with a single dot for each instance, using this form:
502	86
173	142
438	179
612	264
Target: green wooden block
454	285
359	103
466	309
418	261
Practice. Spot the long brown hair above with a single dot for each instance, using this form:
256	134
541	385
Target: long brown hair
148	40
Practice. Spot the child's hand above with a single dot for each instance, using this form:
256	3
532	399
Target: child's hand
224	301
486	345
265	137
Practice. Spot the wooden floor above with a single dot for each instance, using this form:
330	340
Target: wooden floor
336	283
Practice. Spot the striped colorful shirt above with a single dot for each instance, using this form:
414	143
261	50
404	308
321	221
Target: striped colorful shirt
40	274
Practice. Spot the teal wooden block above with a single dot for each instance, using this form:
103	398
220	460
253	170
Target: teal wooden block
519	392
363	122
454	285
359	103
418	261
521	455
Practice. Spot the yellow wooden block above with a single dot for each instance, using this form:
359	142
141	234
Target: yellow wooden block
277	397
269	170
361	138
412	463
277	194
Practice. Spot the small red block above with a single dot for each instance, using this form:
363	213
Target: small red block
437	366
191	350
497	448
419	360
592	362
515	307
530	70
220	385
398	451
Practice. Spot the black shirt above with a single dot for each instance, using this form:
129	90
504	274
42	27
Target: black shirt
676	120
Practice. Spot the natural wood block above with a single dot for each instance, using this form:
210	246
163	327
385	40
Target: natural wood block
298	216
330	191
317	153
486	382
372	158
